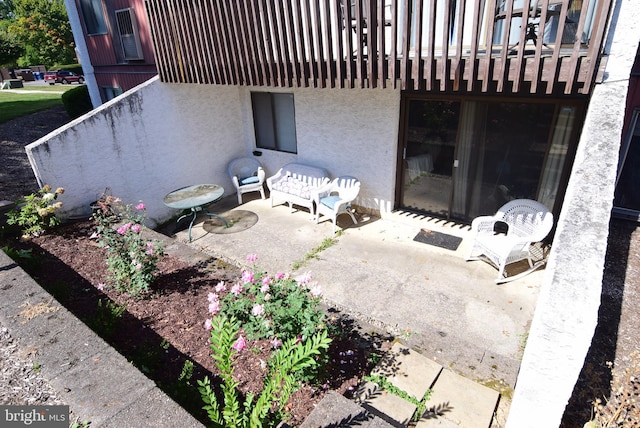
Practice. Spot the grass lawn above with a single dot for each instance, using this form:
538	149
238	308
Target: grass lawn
14	105
48	88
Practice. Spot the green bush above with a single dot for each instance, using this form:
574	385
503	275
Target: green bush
77	101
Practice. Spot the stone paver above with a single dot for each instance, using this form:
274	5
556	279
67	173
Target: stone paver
408	370
387	405
460	401
337	411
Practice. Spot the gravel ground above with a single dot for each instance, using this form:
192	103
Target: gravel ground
16	176
20	379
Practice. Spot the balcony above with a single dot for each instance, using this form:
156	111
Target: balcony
455	46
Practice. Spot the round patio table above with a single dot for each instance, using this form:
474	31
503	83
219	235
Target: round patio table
194	198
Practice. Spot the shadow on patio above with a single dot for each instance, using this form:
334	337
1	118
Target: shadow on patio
448	309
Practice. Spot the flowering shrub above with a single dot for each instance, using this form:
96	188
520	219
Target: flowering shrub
37	212
268	409
270	307
131	259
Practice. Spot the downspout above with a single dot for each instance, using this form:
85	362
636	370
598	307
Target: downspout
83	52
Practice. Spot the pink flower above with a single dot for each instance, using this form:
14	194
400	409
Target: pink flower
280	275
136	228
214	307
247	276
276	343
236	289
264	288
150	249
100	286
257	310
212	297
123	229
267	280
303	279
207	324
251	258
220	287
140	206
316	291
239	344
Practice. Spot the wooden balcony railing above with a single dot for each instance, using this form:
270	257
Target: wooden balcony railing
450	46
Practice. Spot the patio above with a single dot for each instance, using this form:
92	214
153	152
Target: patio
437	303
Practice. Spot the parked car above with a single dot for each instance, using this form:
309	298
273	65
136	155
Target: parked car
62	76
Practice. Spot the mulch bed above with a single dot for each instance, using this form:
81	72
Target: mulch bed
163	330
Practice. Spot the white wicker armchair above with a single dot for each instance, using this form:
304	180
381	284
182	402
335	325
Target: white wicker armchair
527	222
335	198
247	176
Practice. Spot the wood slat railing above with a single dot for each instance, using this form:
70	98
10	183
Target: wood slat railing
447	46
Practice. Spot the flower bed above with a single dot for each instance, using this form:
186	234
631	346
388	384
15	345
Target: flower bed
163	332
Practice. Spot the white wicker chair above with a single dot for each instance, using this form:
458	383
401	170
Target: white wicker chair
247	176
527	222
335	198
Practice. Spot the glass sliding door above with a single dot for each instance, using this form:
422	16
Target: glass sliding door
500	155
557	156
428	155
467	158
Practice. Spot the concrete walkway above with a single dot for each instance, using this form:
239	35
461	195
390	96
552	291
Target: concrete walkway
446	309
98	383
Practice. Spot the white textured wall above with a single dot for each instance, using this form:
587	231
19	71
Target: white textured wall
567	310
348	132
164	136
157	139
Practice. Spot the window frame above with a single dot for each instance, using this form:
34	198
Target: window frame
98	14
267	118
135	34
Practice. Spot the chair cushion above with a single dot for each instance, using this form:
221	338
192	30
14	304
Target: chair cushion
293	186
249	180
330	201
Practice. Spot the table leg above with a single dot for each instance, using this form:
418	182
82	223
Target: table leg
194	213
218	216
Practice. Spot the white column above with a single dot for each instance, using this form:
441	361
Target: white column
83	52
567	310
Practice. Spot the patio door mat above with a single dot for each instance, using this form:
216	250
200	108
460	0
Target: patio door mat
438	239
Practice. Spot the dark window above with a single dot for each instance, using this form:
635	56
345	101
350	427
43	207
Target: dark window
110	92
128	29
93	16
274	121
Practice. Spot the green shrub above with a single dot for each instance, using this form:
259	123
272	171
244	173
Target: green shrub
36	212
77	101
268	409
132	260
76	68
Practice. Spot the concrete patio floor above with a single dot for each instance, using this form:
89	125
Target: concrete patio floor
446	308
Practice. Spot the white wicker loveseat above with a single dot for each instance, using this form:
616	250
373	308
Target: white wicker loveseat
295	183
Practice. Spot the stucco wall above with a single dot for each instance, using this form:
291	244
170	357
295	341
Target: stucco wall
164	136
157	139
567	311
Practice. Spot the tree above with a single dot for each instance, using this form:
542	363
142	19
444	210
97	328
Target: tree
10	51
6	9
42	28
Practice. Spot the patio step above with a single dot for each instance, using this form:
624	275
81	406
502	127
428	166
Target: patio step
455	401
